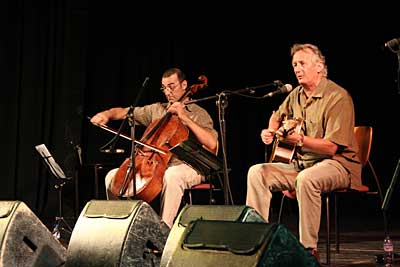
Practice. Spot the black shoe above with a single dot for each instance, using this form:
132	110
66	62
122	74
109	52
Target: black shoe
314	252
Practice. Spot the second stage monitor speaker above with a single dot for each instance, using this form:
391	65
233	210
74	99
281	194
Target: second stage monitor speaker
117	233
212	235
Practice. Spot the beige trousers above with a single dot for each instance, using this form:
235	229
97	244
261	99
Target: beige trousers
176	179
325	176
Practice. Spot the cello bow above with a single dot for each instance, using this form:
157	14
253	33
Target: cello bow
111	130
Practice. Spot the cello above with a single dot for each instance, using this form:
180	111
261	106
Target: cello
150	164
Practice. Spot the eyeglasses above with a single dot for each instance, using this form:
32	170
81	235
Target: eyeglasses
171	87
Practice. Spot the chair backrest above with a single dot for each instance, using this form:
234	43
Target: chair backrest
364	139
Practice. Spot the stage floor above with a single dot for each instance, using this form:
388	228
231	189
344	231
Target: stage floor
359	249
361	240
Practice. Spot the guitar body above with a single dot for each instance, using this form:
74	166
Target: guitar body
282	151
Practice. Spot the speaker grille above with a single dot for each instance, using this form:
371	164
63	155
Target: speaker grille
25	240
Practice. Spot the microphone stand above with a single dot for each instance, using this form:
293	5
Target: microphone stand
397	52
388	196
130	115
379	258
131	167
222	103
389	192
398	72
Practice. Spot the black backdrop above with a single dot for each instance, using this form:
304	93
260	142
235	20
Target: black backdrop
65	60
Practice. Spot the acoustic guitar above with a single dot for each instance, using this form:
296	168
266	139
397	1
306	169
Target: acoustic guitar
281	150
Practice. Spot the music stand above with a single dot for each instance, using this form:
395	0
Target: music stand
202	160
61	178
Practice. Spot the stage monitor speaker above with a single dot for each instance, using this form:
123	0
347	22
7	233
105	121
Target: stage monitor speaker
117	233
209	235
25	240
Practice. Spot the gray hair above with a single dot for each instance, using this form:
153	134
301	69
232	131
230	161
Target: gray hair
319	57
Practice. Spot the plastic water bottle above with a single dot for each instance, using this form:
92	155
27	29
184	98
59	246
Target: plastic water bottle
388	251
56	231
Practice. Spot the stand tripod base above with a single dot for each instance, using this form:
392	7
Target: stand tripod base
61	225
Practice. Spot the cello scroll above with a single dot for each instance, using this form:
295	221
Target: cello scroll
198	86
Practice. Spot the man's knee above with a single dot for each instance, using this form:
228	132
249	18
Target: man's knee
254	173
109	177
304	181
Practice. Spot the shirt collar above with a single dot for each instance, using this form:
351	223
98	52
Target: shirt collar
319	91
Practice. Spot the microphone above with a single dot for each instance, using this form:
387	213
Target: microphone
145	82
113	151
285	88
393	45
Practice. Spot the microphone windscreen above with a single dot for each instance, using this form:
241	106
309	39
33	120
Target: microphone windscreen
287	88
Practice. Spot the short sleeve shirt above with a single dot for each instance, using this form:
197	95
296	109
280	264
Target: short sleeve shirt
327	114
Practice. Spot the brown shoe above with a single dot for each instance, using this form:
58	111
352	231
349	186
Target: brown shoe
314	252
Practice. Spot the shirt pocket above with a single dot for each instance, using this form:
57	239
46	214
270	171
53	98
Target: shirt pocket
313	127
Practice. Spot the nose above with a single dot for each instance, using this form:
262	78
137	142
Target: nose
168	92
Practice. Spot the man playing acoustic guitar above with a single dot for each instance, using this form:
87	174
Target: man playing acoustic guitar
325	158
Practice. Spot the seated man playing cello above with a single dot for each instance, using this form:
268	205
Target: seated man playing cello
177	175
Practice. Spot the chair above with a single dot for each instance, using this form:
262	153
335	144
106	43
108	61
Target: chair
207	186
364	139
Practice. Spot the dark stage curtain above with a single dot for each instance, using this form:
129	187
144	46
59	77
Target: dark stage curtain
62	61
43	61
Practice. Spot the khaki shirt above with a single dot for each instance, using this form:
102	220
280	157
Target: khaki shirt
148	114
327	114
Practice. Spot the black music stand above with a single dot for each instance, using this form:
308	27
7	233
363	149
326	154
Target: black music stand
56	170
202	160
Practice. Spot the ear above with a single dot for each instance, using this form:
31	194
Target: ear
184	83
320	67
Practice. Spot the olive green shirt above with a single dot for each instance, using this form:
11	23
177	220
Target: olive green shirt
327	114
